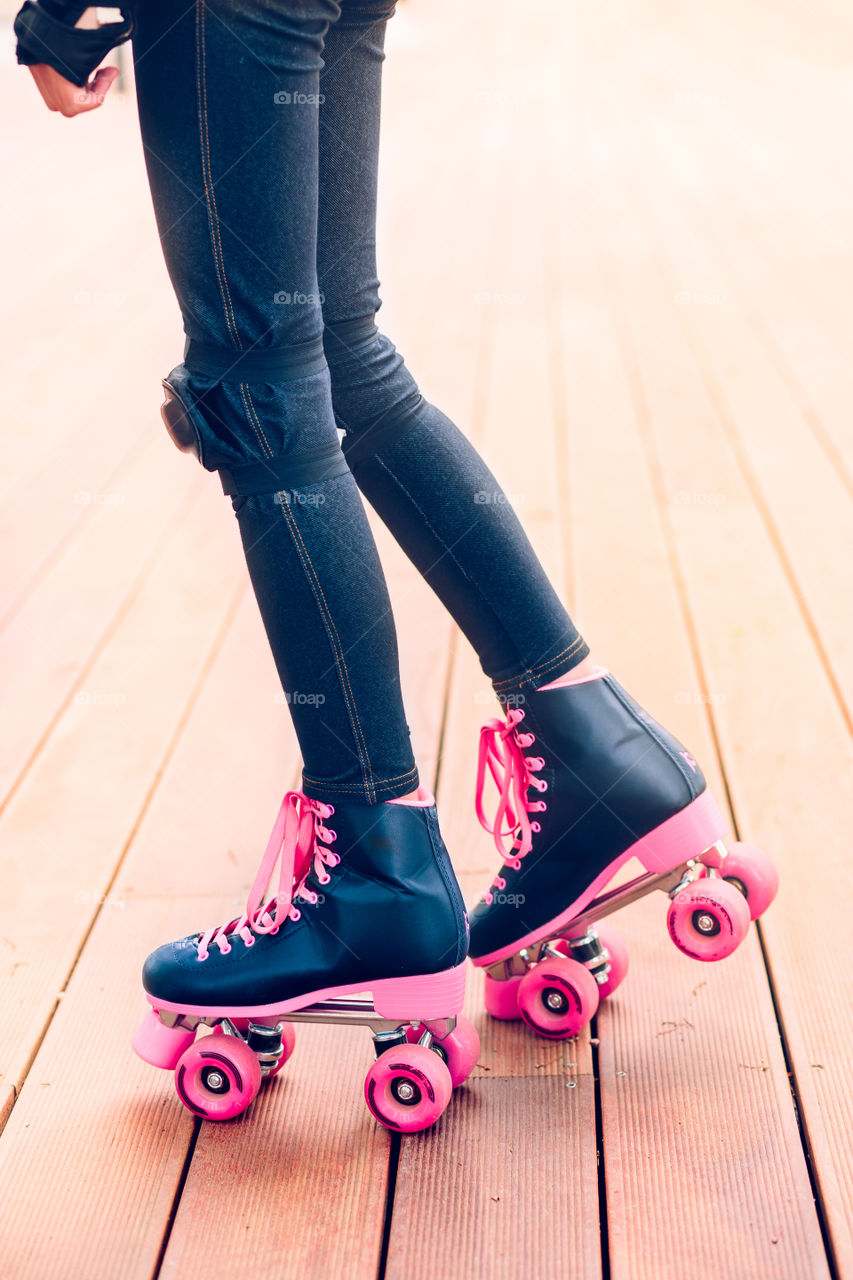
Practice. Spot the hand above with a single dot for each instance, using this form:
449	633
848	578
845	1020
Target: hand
67	98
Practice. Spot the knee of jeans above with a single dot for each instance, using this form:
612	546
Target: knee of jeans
275	30
374	395
262	420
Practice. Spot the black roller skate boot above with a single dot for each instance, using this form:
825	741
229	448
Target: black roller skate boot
368	906
588	780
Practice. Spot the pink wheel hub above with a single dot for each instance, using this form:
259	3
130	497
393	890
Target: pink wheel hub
217	1077
558	998
708	919
408	1088
752	871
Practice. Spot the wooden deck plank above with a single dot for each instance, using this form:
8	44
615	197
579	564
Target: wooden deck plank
92	582
110	427
99	292
74	812
525	1096
675	1102
731	570
787	469
94	1135
509	1190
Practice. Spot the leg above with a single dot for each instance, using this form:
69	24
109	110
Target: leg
231	151
414	466
228	104
617	783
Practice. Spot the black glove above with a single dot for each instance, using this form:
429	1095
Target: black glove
46	33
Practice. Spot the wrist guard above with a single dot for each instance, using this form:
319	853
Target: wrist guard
46	33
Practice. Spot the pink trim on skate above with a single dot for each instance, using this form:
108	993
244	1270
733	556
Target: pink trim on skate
683	836
421	998
423	800
565	682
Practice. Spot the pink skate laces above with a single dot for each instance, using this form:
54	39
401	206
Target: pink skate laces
502	752
295	839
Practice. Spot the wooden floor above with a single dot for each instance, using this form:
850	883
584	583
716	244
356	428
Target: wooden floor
616	247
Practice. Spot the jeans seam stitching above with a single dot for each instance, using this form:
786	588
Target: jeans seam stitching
354	786
337	648
209	194
542	668
252	415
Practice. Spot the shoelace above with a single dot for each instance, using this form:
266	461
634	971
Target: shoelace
295	840
502	750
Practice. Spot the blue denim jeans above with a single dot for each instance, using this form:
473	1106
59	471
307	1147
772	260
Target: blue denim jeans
260	126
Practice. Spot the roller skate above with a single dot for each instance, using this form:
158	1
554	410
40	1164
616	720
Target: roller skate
587	780
367	926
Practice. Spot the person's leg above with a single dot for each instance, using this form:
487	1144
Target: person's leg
418	471
228	100
604	775
228	97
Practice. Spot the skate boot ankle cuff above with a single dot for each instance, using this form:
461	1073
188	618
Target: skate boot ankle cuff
423	800
569	679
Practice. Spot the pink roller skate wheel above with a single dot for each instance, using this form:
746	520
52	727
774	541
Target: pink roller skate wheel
408	1088
218	1077
558	998
501	997
618	959
159	1045
752	871
460	1050
708	919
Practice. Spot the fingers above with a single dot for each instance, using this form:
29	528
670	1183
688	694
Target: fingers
96	90
69	99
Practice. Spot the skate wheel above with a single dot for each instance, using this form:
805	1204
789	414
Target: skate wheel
407	1089
618	959
217	1078
708	919
160	1045
754	873
501	997
460	1050
558	998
